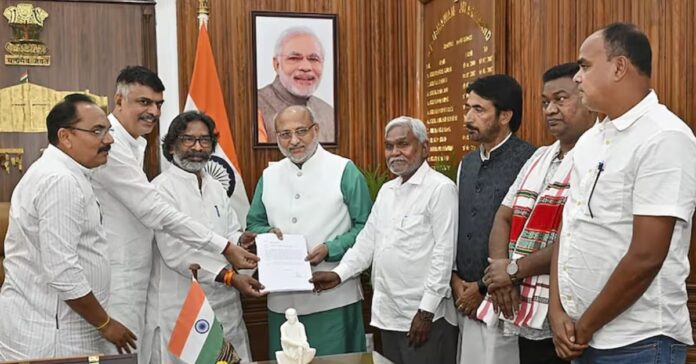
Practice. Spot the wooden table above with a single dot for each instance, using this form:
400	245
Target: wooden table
354	358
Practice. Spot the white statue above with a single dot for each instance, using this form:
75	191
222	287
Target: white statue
293	339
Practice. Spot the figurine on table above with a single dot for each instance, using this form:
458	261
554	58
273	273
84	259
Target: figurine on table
293	340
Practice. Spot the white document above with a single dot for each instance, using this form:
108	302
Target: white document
282	265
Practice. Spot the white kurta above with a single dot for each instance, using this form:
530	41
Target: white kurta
171	278
132	208
55	251
410	241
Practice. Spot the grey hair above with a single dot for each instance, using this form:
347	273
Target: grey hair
122	89
310	112
294	32
416	125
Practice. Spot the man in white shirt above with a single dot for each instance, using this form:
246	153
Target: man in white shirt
132	207
57	283
188	145
409	240
618	290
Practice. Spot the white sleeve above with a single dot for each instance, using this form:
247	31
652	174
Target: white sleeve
60	208
359	257
122	178
443	209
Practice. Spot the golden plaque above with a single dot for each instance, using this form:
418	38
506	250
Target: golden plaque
23	107
26	49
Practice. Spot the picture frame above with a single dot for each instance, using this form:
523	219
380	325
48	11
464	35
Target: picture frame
295	62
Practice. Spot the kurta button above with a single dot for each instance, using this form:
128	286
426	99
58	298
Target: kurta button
294	220
477	189
468	236
299	173
473	212
297	196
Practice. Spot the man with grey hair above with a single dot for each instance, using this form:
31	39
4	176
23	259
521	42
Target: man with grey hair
325	198
409	240
298	61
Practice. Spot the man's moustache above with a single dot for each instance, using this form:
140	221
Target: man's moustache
105	148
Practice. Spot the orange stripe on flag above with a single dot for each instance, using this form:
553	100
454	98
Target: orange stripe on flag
187	317
207	95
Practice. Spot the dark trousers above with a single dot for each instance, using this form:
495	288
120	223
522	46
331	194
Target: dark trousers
440	348
538	352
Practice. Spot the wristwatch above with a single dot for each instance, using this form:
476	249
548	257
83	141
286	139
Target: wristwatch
512	269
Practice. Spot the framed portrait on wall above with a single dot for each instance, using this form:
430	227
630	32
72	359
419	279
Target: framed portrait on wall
295	63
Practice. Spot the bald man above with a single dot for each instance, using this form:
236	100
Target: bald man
325	198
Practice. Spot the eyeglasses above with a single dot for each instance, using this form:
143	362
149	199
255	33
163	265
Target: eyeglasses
299	132
99	132
190	140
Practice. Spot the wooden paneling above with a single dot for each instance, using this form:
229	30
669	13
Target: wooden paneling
89	43
544	33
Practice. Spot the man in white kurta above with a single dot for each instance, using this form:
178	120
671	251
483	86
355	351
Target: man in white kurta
409	241
132	207
197	194
57	282
325	198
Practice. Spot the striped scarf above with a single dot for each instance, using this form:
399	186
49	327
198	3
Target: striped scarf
536	217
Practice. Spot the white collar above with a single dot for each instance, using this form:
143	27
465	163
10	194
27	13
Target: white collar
484	157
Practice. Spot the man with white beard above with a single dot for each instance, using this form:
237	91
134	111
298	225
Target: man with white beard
409	241
298	62
325	198
189	142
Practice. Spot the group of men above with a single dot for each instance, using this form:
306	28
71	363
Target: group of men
573	251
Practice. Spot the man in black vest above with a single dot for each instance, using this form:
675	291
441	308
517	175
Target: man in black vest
493	114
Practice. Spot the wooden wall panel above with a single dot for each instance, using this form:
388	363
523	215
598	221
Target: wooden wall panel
110	35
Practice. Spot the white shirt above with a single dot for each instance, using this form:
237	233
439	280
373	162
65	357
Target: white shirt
55	251
648	156
132	208
171	278
410	240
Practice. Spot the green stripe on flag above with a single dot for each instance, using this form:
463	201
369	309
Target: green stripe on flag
212	346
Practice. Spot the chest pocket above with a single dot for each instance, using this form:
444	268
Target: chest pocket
607	199
411	228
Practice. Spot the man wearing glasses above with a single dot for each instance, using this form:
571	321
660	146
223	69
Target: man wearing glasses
325	198
52	301
188	145
298	62
132	207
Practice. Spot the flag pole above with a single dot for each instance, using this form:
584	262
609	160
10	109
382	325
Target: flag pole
194	270
203	11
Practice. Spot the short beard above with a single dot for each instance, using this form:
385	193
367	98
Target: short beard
310	149
409	168
188	166
287	83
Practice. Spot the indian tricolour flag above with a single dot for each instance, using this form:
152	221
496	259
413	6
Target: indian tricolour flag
197	337
205	94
